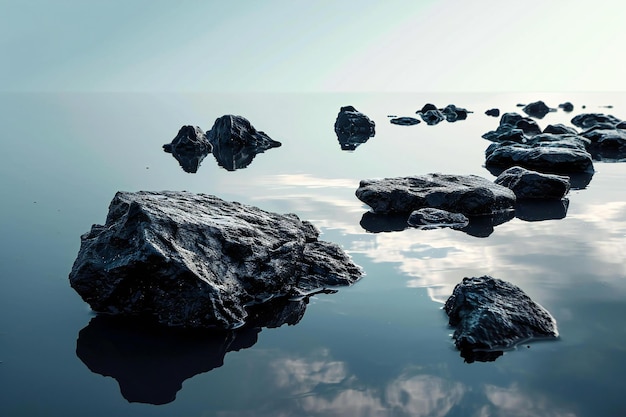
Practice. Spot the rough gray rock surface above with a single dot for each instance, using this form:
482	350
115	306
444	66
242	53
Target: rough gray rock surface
490	314
467	194
431	218
527	184
353	128
195	260
236	142
587	120
565	156
189	147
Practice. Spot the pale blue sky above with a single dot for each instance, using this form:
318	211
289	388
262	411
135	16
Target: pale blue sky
294	45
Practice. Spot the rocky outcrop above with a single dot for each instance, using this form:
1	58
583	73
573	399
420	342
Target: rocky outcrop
493	112
587	120
189	147
551	156
194	260
404	121
431	218
567	106
528	184
432	117
236	142
353	128
453	113
490	314
537	109
467	194
513	124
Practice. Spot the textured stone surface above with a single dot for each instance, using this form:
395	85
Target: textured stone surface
466	194
353	128
510	122
537	109
432	117
546	156
236	142
492	314
527	184
430	218
195	260
587	120
189	147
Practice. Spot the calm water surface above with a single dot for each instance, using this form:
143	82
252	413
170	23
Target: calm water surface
379	348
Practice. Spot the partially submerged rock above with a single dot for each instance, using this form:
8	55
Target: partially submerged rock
537	109
493	112
189	147
431	218
527	184
353	128
467	194
432	117
454	113
587	120
236	142
544	156
194	260
513	124
405	121
490	314
567	106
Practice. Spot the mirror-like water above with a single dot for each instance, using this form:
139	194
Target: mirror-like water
379	348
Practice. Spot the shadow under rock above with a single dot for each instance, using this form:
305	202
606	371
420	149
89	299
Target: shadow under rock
150	362
478	226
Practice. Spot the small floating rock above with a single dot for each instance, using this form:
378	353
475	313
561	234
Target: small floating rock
405	121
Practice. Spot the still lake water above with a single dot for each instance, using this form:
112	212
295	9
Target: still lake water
379	348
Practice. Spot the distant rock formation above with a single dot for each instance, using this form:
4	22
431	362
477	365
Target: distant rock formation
490	315
537	109
189	147
493	112
567	106
233	141
236	142
433	115
353	128
194	260
466	194
405	121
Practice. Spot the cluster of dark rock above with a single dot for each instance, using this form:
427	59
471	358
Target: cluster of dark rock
191	262
232	140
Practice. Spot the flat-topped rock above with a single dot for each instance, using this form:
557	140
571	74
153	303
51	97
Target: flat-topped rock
492	314
527	184
467	194
194	260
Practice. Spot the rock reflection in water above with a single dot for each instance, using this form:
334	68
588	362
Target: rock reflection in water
151	362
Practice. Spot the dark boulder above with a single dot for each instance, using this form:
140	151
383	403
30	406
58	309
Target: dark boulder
560	129
432	218
509	122
453	113
353	128
405	121
194	260
236	142
550	157
528	184
606	138
427	107
493	112
467	194
567	106
432	117
537	109
490	314
587	120
189	147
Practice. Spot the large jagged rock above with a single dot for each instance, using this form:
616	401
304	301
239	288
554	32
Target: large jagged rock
470	195
189	147
353	128
491	314
527	184
194	260
236	142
